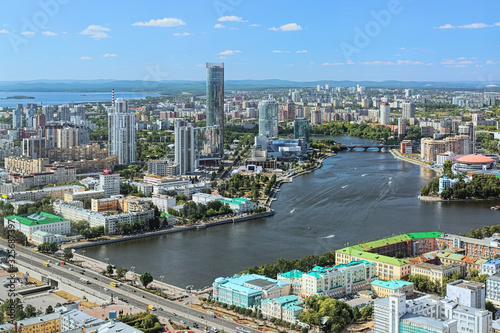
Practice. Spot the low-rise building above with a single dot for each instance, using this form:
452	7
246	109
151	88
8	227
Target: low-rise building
29	223
490	267
163	202
82	196
493	288
467	293
40	237
294	278
248	290
382	288
435	273
286	308
41	324
239	205
480	248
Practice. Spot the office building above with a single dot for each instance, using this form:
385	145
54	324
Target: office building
215	100
248	290
385	114
109	183
479	248
29	223
382	288
301	128
268	118
286	308
408	110
435	273
467	293
17	117
121	132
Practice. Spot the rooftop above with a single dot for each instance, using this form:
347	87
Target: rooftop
293	274
39	319
36	218
422	235
393	284
374	257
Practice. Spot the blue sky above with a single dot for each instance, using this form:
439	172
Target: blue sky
446	40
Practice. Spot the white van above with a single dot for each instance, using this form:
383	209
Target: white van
215	330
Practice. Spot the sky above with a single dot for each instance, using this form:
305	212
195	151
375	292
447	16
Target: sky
406	40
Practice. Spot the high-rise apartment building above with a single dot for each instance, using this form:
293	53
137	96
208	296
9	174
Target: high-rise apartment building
63	113
17	117
268	118
121	132
48	111
30	117
385	113
408	110
215	99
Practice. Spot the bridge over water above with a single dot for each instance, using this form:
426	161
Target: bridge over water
367	147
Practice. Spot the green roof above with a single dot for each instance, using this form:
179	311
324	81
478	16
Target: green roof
420	235
36	218
374	256
381	242
393	284
293	274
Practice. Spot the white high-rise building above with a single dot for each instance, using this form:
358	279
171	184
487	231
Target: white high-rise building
185	154
408	110
408	93
30	117
268	118
402	127
385	114
109	183
79	111
63	113
295	96
121	132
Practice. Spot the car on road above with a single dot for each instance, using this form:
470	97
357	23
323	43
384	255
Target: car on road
70	269
160	309
200	316
95	278
183	322
82	272
174	314
106	289
195	325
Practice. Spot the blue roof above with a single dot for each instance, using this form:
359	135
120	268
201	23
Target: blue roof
492	262
282	300
237	282
393	284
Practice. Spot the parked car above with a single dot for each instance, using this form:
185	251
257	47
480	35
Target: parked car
183	322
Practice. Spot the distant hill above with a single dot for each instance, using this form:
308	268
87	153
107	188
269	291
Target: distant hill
198	87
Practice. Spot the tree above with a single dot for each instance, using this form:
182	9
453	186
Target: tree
49	309
146	279
68	253
120	272
109	269
30	311
490	307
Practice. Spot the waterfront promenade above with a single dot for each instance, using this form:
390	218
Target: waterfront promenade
397	154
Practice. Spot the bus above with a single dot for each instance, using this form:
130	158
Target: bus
46	264
84	281
113	284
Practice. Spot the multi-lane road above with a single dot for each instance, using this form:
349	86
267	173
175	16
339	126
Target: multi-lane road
100	287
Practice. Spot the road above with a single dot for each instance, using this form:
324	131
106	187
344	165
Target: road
135	296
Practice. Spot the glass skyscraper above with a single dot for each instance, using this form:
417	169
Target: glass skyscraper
268	118
301	128
215	99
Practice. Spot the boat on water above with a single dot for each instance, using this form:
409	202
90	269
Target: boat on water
495	208
293	210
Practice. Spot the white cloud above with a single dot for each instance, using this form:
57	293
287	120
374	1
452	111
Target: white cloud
49	33
3	31
229	52
181	34
164	22
85	58
255	25
399	62
108	55
496	24
402	48
222	57
462	58
233	28
27	33
446	26
397	55
474	26
491	62
219	26
231	18
301	51
199	65
349	62
96	32
287	27
278	51
454	63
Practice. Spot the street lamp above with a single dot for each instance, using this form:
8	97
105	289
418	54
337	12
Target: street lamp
83	255
190	288
161	279
132	268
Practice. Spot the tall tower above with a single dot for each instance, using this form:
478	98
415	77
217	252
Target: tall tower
185	154
17	117
63	112
408	110
268	118
385	114
215	99
121	132
48	111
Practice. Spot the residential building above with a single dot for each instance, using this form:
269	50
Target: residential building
163	202
490	267
63	113
479	248
109	183
248	290
56	192
382	288
435	273
460	145
163	168
215	100
446	183
466	263
34	147
408	110
29	223
121	132
239	205
493	288
385	114
294	278
17	117
268	118
40	237
48	112
74	319
24	165
286	308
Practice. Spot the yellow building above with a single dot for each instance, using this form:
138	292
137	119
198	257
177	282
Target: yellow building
82	196
105	204
387	288
25	165
435	273
50	323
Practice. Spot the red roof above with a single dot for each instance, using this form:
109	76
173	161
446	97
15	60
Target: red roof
475	159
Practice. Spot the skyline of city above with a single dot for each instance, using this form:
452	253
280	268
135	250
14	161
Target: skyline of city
394	40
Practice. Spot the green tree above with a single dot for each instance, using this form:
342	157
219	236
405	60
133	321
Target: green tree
146	279
49	309
30	311
120	272
68	253
109	269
